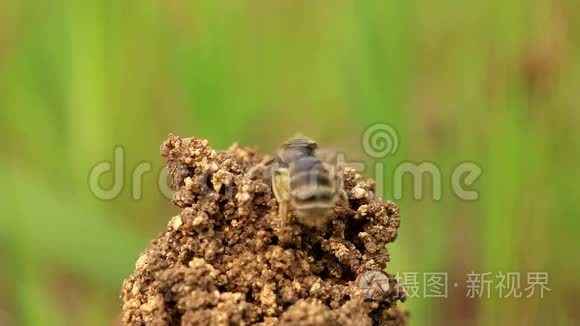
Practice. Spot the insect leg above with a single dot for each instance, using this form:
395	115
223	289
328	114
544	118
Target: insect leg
281	188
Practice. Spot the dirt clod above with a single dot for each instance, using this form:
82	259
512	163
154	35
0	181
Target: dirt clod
227	259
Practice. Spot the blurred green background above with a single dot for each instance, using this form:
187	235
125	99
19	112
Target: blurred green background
495	82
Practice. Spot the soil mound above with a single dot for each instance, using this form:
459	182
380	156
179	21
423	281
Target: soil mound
227	259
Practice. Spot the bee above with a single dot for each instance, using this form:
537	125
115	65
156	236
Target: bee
303	183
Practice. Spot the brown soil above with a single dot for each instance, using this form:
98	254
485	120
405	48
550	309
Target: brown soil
227	259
